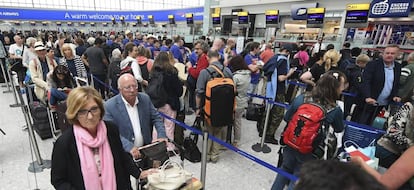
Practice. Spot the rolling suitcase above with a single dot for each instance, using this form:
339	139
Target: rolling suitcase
40	118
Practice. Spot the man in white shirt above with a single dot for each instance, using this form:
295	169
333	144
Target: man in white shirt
134	114
16	58
318	46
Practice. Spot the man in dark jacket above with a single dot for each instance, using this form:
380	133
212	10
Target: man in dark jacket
354	74
380	83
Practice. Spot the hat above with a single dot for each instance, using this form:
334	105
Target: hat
39	46
128	32
151	36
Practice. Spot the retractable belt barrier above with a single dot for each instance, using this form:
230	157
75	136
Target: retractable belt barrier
230	147
245	154
106	85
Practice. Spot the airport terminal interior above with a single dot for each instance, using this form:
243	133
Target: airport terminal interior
339	37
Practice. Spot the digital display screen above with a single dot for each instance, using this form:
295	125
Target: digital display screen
190	20
315	18
151	20
272	19
171	20
356	17
216	20
243	19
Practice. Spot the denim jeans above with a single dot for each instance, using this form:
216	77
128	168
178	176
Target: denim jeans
386	158
56	95
292	161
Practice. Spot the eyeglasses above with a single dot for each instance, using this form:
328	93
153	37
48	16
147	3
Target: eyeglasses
130	87
84	113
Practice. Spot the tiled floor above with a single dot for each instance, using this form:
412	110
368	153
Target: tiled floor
232	171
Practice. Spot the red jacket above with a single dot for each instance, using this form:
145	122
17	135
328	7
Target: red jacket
202	63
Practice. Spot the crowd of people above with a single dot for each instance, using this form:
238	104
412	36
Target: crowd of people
122	114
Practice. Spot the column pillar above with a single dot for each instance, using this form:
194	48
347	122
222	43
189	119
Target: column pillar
207	22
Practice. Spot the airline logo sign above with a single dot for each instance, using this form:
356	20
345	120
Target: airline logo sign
299	11
390	8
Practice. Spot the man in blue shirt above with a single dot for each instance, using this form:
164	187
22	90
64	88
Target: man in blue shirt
166	46
175	50
380	83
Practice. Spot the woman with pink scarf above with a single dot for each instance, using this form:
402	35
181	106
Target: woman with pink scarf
89	155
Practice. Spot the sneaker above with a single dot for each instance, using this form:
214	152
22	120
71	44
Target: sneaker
213	159
235	145
271	140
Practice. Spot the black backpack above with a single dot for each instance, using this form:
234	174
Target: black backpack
156	90
144	70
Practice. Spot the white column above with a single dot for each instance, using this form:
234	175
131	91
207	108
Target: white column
207	22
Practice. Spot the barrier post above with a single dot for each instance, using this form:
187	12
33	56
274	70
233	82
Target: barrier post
16	90
204	159
262	147
39	164
2	64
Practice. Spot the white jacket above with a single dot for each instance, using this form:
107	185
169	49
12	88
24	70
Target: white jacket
134	65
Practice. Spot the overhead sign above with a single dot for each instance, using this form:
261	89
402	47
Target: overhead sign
272	17
189	18
243	17
216	19
151	19
315	17
299	11
139	20
356	15
97	16
390	8
171	19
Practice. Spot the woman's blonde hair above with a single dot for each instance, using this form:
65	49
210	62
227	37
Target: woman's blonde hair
64	47
78	98
331	59
30	41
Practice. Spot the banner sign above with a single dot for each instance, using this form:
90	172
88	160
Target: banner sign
315	17
299	11
356	15
390	8
98	16
272	17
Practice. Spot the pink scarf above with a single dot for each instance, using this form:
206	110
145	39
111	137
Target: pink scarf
85	142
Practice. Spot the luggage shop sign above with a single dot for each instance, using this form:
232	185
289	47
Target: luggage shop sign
390	8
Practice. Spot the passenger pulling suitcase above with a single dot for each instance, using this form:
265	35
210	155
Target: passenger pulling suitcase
40	117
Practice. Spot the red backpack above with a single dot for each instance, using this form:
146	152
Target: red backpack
304	131
127	69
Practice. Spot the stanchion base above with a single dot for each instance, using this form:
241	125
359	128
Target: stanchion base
16	105
34	167
7	91
258	148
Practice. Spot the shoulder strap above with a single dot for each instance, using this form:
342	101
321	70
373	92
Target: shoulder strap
35	63
218	70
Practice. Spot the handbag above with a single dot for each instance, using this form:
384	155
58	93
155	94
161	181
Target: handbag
170	175
254	111
151	152
191	151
